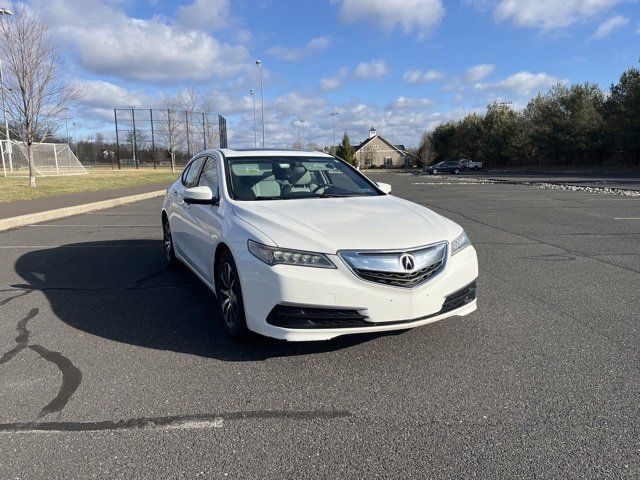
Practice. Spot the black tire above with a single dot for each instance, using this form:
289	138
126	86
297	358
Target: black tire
456	171
434	171
230	298
169	254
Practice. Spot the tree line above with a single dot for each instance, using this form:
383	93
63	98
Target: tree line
574	125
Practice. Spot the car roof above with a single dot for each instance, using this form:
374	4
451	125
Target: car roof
269	152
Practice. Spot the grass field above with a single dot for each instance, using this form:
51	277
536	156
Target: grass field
17	188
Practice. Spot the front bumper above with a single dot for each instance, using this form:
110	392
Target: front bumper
364	306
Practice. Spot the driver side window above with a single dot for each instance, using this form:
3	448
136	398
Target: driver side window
190	176
209	175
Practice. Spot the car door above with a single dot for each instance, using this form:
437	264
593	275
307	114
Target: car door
180	217
207	221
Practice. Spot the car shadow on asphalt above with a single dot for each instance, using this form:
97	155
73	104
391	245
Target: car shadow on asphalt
121	291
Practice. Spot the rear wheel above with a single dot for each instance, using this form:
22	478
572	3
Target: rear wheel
230	297
435	171
170	259
456	171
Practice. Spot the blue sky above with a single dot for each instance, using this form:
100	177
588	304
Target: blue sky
413	63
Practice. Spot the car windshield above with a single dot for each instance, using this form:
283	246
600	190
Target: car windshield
281	178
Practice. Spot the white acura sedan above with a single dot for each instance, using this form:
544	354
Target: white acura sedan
301	246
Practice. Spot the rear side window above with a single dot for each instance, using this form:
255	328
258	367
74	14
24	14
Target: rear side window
190	176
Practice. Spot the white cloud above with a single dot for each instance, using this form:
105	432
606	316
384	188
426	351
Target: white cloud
478	72
107	41
298	104
333	83
293	54
412	16
522	84
416	77
403	103
205	14
330	83
371	70
610	25
550	14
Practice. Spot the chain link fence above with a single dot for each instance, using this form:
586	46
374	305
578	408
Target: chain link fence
148	137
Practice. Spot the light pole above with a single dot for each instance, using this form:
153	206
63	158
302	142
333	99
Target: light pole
302	121
334	115
75	142
66	123
259	64
393	126
4	11
255	132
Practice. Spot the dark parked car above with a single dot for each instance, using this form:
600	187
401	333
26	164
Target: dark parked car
448	166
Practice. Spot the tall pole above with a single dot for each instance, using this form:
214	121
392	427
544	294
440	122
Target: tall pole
66	123
204	132
259	64
334	115
115	117
393	126
9	149
6	121
153	140
75	142
255	132
186	125
303	133
135	140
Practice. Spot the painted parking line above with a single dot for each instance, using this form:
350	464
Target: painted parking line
626	218
89	225
80	245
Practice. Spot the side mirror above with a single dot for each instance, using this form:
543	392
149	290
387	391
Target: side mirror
199	195
385	187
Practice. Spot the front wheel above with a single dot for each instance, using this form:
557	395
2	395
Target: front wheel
456	171
170	259
230	297
434	171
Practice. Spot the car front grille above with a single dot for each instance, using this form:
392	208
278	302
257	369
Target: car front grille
407	280
387	268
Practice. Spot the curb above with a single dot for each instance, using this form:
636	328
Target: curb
22	220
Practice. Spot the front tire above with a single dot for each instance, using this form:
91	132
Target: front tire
456	171
434	171
230	297
170	259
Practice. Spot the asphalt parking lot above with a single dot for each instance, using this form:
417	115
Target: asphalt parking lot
112	367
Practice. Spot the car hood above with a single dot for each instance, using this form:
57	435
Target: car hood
331	224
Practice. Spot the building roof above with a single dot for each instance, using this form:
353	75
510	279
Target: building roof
399	148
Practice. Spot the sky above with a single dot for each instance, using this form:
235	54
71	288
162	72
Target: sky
402	66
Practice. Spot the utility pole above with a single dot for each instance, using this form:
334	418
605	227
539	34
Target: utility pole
393	126
9	149
334	115
259	64
255	132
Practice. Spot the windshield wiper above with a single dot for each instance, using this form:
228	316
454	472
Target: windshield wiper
336	195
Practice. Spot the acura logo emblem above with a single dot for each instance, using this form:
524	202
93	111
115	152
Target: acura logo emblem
407	261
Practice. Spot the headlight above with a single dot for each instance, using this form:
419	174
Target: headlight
460	243
275	255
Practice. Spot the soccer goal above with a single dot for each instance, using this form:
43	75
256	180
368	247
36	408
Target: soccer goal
48	159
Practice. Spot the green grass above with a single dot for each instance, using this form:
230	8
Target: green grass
17	188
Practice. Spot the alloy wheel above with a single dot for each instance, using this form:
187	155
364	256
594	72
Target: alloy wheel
229	294
167	242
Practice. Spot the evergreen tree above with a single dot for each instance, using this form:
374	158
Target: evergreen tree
345	150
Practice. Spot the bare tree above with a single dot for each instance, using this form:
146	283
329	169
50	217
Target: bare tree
37	90
200	108
173	127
